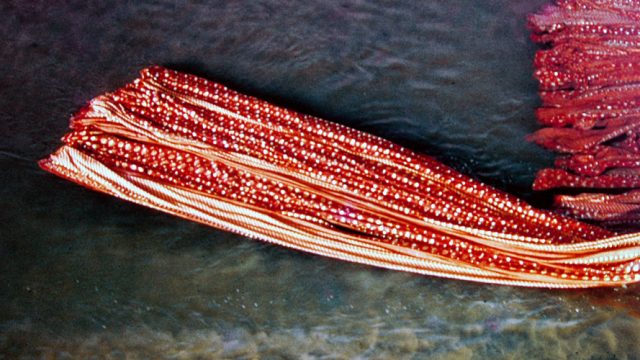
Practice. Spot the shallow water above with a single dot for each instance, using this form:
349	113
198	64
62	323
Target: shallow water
83	274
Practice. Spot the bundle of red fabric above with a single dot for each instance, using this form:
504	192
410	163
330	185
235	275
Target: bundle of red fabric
196	149
589	75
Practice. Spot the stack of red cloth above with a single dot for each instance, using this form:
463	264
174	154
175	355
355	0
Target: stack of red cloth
589	75
196	149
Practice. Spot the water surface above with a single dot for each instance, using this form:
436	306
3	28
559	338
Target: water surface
83	274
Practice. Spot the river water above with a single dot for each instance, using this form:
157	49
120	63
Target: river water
83	275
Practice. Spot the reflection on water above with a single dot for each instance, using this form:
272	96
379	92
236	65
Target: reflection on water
84	274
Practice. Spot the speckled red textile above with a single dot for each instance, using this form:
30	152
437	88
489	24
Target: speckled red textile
196	149
590	88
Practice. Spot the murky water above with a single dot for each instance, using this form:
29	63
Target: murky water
83	274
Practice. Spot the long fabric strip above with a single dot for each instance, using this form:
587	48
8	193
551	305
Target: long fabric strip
196	149
589	75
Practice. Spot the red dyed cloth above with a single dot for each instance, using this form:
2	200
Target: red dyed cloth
196	149
589	75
